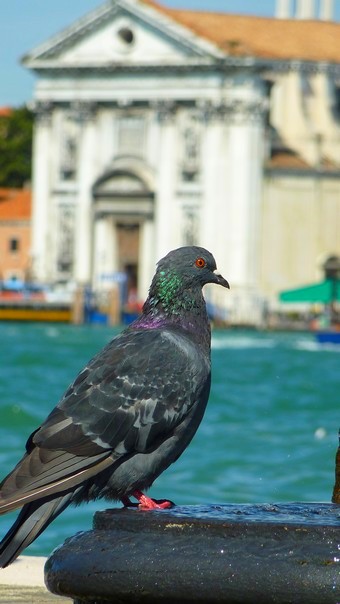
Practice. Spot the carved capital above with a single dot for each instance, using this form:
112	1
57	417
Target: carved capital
43	111
165	110
84	111
234	110
246	110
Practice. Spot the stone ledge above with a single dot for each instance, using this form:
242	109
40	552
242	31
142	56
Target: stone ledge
284	553
23	581
10	594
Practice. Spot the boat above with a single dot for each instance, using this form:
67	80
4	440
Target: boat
328	337
28	311
31	302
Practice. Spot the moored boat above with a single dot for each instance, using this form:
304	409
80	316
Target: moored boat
328	337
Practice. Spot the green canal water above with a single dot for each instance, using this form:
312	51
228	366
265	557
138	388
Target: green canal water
269	433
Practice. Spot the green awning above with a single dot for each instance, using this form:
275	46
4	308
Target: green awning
324	292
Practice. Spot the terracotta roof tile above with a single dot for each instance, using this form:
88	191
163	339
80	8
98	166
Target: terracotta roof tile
15	204
288	159
267	38
5	111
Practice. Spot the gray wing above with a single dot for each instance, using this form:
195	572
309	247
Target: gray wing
139	387
130	396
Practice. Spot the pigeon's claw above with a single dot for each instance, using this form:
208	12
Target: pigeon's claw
127	503
146	503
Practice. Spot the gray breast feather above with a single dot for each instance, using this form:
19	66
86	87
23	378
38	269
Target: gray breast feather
137	389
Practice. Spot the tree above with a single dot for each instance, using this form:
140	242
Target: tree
16	130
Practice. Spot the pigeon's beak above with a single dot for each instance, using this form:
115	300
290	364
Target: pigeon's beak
220	280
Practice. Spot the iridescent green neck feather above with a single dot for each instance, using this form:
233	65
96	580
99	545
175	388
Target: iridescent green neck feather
177	300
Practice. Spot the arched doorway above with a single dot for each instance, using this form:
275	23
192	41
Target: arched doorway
123	215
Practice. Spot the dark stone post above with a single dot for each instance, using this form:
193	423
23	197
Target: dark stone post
336	491
235	554
215	554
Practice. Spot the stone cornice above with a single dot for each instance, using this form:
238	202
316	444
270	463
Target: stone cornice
234	110
53	69
311	172
54	45
307	67
82	110
203	65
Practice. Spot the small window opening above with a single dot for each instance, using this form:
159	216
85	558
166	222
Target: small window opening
14	244
126	35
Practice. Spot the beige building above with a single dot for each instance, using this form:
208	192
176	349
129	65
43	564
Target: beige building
15	234
158	127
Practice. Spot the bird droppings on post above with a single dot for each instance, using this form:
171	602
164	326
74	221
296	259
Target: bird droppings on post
128	415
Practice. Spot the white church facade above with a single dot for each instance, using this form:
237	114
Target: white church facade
157	128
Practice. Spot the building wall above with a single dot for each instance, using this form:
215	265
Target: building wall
15	233
305	114
300	229
194	142
200	161
15	263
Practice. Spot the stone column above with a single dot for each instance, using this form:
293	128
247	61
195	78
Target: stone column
324	128
283	9
167	178
305	9
244	167
232	189
212	172
290	112
41	191
326	10
104	252
146	257
86	178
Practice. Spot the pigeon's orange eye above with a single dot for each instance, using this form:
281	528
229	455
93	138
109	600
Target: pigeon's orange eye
200	262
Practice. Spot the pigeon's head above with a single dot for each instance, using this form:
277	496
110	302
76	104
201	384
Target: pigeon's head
186	267
176	289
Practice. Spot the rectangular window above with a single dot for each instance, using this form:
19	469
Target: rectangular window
131	135
14	244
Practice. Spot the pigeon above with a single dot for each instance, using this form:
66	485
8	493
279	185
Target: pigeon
129	413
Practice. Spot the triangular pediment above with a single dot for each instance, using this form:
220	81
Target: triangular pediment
122	32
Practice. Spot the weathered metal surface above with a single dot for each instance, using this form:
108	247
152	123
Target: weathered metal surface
285	553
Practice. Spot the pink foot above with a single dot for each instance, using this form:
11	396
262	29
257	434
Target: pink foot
146	503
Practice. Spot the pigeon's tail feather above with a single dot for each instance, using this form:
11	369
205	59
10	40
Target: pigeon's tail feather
32	520
13	497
